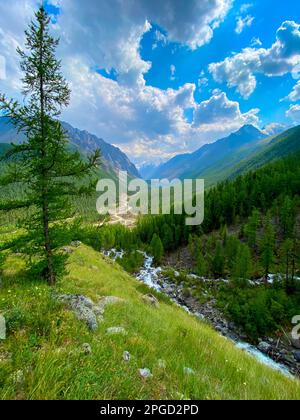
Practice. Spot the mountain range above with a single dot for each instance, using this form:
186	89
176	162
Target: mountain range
241	151
113	159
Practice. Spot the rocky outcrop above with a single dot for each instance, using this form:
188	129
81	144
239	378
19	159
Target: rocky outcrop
86	310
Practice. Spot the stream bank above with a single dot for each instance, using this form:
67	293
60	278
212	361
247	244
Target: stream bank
275	354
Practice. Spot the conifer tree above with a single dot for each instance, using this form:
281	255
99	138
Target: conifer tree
218	262
43	165
251	228
201	263
287	217
156	248
231	251
267	245
242	268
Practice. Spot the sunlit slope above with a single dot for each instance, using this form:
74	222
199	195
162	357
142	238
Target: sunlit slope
45	341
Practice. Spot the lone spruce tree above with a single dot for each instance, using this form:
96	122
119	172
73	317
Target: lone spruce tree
43	165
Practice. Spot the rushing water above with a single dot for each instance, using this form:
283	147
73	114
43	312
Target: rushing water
151	276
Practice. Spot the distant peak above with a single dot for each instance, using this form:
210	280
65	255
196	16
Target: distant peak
249	128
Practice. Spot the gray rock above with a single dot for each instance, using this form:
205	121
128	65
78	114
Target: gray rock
116	330
264	347
2	328
76	244
87	349
151	300
145	373
297	356
67	250
295	343
188	371
126	356
82	308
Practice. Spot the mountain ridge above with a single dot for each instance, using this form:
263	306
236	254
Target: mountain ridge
183	166
113	159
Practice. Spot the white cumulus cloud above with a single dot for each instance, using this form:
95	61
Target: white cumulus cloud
294	113
240	69
243	22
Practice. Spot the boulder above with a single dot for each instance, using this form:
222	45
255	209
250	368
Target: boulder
76	244
82	308
264	347
295	343
297	356
2	328
67	250
151	300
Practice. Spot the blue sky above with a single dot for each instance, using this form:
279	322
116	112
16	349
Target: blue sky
268	16
161	78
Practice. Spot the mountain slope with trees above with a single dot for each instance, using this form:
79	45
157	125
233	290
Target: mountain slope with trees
113	159
230	150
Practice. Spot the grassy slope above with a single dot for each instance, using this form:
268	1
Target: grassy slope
45	341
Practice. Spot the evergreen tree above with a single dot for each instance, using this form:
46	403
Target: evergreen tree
43	164
252	227
167	237
286	251
224	234
218	262
242	268
267	246
231	251
201	264
156	248
287	216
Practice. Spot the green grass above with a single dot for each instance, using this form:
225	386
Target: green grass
45	342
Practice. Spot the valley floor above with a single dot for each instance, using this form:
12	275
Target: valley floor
50	354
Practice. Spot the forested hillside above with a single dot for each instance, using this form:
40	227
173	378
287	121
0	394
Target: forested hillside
251	230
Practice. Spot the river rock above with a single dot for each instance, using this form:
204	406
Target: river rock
151	300
295	343
297	356
264	347
2	328
145	373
